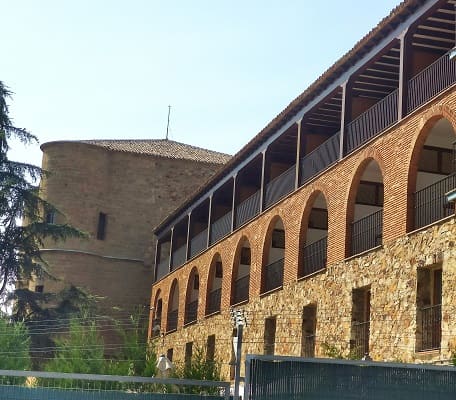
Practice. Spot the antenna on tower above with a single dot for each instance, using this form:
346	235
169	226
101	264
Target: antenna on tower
167	126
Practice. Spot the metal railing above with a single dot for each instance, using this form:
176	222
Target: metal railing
431	81
220	228
280	186
171	323
370	123
273	275
162	269
314	256
179	257
214	301
367	232
191	312
430	318
431	204
319	159
248	209
198	243
308	346
359	344
241	289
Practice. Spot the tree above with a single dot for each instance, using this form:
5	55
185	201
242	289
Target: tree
20	244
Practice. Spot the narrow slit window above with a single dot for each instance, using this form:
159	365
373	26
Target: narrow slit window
101	231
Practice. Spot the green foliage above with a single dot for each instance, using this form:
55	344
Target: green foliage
332	351
14	345
200	368
20	199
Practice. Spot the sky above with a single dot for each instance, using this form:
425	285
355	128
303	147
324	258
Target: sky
108	69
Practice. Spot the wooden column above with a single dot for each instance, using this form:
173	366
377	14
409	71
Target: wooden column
404	72
263	165
298	154
187	252
233	205
156	260
209	219
171	250
345	115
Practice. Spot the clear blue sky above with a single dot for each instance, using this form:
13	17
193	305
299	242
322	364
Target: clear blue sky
108	69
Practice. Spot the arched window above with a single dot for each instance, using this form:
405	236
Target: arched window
315	237
241	273
434	175
273	259
173	307
214	287
157	316
366	224
191	300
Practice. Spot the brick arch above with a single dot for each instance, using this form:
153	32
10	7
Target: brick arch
266	244
305	221
427	122
365	158
173	288
211	276
188	292
236	261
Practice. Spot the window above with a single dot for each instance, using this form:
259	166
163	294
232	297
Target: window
245	256
269	335
309	316
188	353
50	217
218	269
429	308
39	288
436	160
169	354
196	282
210	348
278	238
318	219
370	193
360	330
101	230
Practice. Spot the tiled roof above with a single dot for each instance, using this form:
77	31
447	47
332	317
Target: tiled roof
162	148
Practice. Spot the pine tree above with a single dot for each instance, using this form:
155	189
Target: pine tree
20	200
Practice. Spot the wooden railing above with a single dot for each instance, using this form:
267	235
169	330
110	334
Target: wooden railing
280	186
273	275
248	209
431	204
220	228
198	243
319	159
430	82
314	257
370	123
367	232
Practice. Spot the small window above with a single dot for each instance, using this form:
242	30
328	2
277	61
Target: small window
196	282
218	270
318	219
370	193
101	231
39	288
210	350
169	354
188	353
50	217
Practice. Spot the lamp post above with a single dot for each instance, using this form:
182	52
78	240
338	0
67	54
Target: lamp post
238	319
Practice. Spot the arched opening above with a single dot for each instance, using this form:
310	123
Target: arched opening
173	307
366	226
434	176
157	316
214	287
191	300
315	238
273	259
241	273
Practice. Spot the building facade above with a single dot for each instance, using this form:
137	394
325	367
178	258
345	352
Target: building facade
330	229
116	191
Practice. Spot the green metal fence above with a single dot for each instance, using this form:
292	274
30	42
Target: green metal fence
290	378
32	385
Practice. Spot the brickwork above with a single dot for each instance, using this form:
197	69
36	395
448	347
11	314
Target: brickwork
389	269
